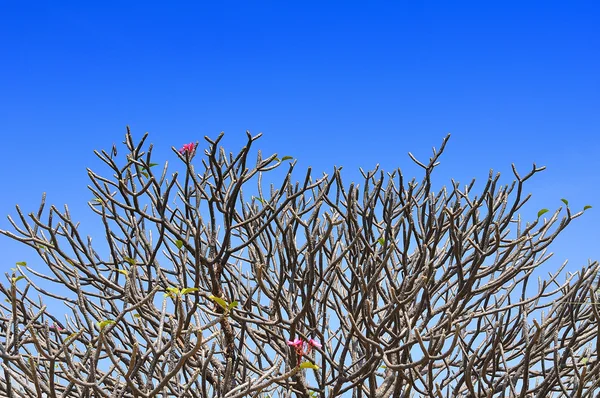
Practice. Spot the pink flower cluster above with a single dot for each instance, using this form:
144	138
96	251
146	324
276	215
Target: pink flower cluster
303	347
187	149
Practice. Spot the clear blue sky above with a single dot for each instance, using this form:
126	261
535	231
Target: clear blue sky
330	83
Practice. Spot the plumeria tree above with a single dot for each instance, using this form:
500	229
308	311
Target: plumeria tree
206	283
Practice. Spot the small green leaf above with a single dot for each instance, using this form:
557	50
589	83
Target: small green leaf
232	305
71	336
566	202
140	170
541	212
136	315
105	323
122	271
129	260
152	164
381	241
222	303
586	207
308	365
22	263
277	160
286	158
173	290
259	199
179	243
585	360
18	278
188	290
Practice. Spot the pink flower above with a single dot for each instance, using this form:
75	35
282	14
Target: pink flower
314	343
302	347
187	149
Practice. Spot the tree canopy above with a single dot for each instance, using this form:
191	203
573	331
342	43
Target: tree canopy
211	283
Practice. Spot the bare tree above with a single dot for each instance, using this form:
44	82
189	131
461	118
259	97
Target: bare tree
211	285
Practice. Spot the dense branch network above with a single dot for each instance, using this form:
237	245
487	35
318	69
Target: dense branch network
211	284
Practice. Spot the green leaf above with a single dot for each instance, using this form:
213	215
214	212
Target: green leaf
222	303
308	365
188	290
18	278
136	315
541	212
105	323
71	336
179	243
286	158
259	199
140	170
129	260
586	207
566	202
22	263
122	271
381	241
585	360
173	290
232	305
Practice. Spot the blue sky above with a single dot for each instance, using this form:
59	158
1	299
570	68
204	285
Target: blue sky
330	83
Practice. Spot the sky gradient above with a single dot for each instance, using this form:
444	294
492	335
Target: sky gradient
344	84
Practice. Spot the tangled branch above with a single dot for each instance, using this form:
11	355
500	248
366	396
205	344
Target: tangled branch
211	284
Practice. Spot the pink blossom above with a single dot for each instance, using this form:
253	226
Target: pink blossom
314	343
302	347
187	149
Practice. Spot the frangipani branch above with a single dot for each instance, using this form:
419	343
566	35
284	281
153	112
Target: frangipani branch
206	283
